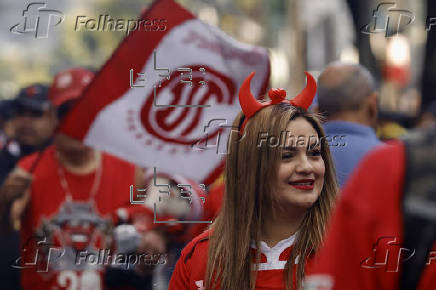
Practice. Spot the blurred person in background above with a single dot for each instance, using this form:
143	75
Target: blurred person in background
347	97
33	123
382	234
66	203
9	250
181	213
5	124
29	128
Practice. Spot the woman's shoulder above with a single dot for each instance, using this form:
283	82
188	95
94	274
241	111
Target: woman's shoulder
197	247
191	267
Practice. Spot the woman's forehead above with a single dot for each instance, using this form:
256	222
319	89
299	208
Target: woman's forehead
300	133
300	126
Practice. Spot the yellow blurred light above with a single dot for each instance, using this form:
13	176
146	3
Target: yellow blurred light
398	51
349	54
279	68
250	31
209	15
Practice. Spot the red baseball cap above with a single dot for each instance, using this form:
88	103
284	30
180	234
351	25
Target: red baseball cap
69	85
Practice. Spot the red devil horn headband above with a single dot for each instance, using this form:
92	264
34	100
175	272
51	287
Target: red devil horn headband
250	105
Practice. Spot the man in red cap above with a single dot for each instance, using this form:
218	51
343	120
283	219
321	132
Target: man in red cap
66	197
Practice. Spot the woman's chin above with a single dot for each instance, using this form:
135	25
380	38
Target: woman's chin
298	204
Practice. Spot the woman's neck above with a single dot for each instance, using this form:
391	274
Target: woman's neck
281	226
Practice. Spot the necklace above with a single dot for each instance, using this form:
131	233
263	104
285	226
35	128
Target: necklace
64	184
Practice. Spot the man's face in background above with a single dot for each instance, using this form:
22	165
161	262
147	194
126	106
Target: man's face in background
33	127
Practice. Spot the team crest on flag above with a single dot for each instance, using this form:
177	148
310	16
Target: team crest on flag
164	92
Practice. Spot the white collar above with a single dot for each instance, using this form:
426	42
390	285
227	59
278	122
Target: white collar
283	244
272	254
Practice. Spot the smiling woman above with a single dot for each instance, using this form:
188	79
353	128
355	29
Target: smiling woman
277	200
300	176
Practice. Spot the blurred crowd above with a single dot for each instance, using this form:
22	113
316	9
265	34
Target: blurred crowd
63	203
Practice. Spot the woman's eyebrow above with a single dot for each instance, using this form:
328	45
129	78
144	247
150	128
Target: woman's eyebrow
290	148
316	145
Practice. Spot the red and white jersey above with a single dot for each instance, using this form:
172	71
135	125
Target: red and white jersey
55	229
190	271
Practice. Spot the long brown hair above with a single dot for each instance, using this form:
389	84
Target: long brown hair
250	176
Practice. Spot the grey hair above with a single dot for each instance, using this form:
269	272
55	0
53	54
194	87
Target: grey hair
349	94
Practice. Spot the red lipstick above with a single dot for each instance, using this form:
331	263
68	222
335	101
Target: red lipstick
303	184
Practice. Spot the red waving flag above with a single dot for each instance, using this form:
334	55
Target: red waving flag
133	107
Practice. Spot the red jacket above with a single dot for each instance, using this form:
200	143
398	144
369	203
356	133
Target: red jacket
190	269
362	248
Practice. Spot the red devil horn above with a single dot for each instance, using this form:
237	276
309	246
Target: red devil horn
305	98
248	103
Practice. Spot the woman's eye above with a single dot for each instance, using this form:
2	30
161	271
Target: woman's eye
315	152
287	155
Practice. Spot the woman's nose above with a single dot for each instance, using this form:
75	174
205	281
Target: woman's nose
304	165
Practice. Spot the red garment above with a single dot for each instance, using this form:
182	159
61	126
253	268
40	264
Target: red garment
363	243
190	271
69	227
